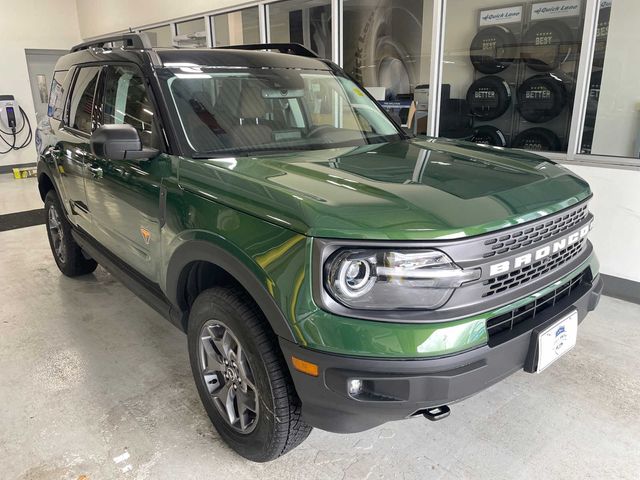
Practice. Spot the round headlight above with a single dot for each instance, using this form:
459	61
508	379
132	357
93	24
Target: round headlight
354	277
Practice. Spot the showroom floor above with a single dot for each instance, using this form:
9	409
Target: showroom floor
95	385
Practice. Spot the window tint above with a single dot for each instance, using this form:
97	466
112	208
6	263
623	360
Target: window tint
126	101
56	96
81	104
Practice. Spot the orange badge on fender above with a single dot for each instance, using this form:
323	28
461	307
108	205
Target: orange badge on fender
146	235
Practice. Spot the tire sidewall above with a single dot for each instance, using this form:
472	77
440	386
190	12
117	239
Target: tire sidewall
51	201
254	445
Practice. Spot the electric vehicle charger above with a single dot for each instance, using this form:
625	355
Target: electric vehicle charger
9	121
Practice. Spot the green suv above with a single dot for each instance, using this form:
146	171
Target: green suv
329	269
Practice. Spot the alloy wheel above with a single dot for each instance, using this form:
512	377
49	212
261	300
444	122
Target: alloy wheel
227	374
56	232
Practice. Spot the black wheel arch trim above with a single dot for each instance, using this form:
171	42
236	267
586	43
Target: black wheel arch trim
202	251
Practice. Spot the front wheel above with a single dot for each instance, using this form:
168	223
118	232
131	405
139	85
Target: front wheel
241	376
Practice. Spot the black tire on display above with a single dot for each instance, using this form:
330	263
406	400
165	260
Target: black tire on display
538	139
242	379
488	135
66	252
541	98
493	49
547	44
488	97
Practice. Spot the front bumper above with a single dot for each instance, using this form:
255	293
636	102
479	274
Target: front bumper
397	389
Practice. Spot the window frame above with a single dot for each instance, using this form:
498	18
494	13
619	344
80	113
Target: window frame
64	123
99	120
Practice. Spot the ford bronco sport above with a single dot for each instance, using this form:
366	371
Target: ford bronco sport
329	269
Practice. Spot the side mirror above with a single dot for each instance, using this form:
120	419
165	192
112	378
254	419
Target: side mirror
119	142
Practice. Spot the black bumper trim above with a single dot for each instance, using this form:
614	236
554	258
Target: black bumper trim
412	385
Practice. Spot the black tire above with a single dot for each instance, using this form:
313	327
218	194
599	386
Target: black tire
277	426
66	252
548	44
493	49
542	98
537	139
489	97
488	135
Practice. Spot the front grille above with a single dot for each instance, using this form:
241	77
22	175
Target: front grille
534	234
534	308
530	272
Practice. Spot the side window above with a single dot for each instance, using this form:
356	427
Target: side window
126	101
81	104
56	95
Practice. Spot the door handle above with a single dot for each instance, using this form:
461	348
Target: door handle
96	172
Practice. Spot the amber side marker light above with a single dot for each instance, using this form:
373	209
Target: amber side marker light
305	367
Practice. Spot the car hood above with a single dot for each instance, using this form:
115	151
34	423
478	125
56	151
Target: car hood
416	189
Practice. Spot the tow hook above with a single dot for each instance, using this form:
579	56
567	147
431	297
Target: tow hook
437	413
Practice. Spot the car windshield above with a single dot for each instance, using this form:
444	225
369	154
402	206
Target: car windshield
247	111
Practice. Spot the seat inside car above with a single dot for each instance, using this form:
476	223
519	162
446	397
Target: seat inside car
251	129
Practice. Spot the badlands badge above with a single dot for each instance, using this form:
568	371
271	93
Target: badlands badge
146	235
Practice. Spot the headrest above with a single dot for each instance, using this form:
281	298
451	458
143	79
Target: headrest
251	102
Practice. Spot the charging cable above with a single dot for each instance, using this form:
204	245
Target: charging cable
13	144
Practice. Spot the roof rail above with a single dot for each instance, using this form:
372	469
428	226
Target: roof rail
129	40
290	48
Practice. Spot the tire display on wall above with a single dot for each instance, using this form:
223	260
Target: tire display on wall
488	135
541	98
489	97
493	49
547	44
538	139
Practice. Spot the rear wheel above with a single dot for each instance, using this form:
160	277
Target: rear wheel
67	253
241	376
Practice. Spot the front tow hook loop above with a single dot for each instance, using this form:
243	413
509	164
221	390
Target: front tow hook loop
437	413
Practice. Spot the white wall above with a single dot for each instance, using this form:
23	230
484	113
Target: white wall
616	207
31	24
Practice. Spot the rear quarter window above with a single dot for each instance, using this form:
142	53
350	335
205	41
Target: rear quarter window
56	95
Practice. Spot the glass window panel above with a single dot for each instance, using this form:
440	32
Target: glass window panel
126	101
300	21
236	28
387	48
81	105
612	120
509	71
191	33
160	36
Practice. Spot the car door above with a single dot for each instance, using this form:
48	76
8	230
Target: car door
73	147
124	195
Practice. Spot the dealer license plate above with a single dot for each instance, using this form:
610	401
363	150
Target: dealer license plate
556	340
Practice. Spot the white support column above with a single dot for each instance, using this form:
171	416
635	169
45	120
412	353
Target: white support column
263	21
208	30
336	32
592	10
174	33
435	76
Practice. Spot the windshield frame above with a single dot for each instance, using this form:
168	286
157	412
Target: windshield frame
166	73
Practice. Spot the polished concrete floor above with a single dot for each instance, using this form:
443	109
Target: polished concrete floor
95	385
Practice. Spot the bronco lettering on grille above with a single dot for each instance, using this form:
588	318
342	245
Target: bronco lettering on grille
542	252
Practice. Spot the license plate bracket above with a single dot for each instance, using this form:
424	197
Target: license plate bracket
551	340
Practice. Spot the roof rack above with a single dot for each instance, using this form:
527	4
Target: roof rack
290	48
129	40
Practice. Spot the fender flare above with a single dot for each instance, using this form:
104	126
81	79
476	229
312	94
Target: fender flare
199	250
